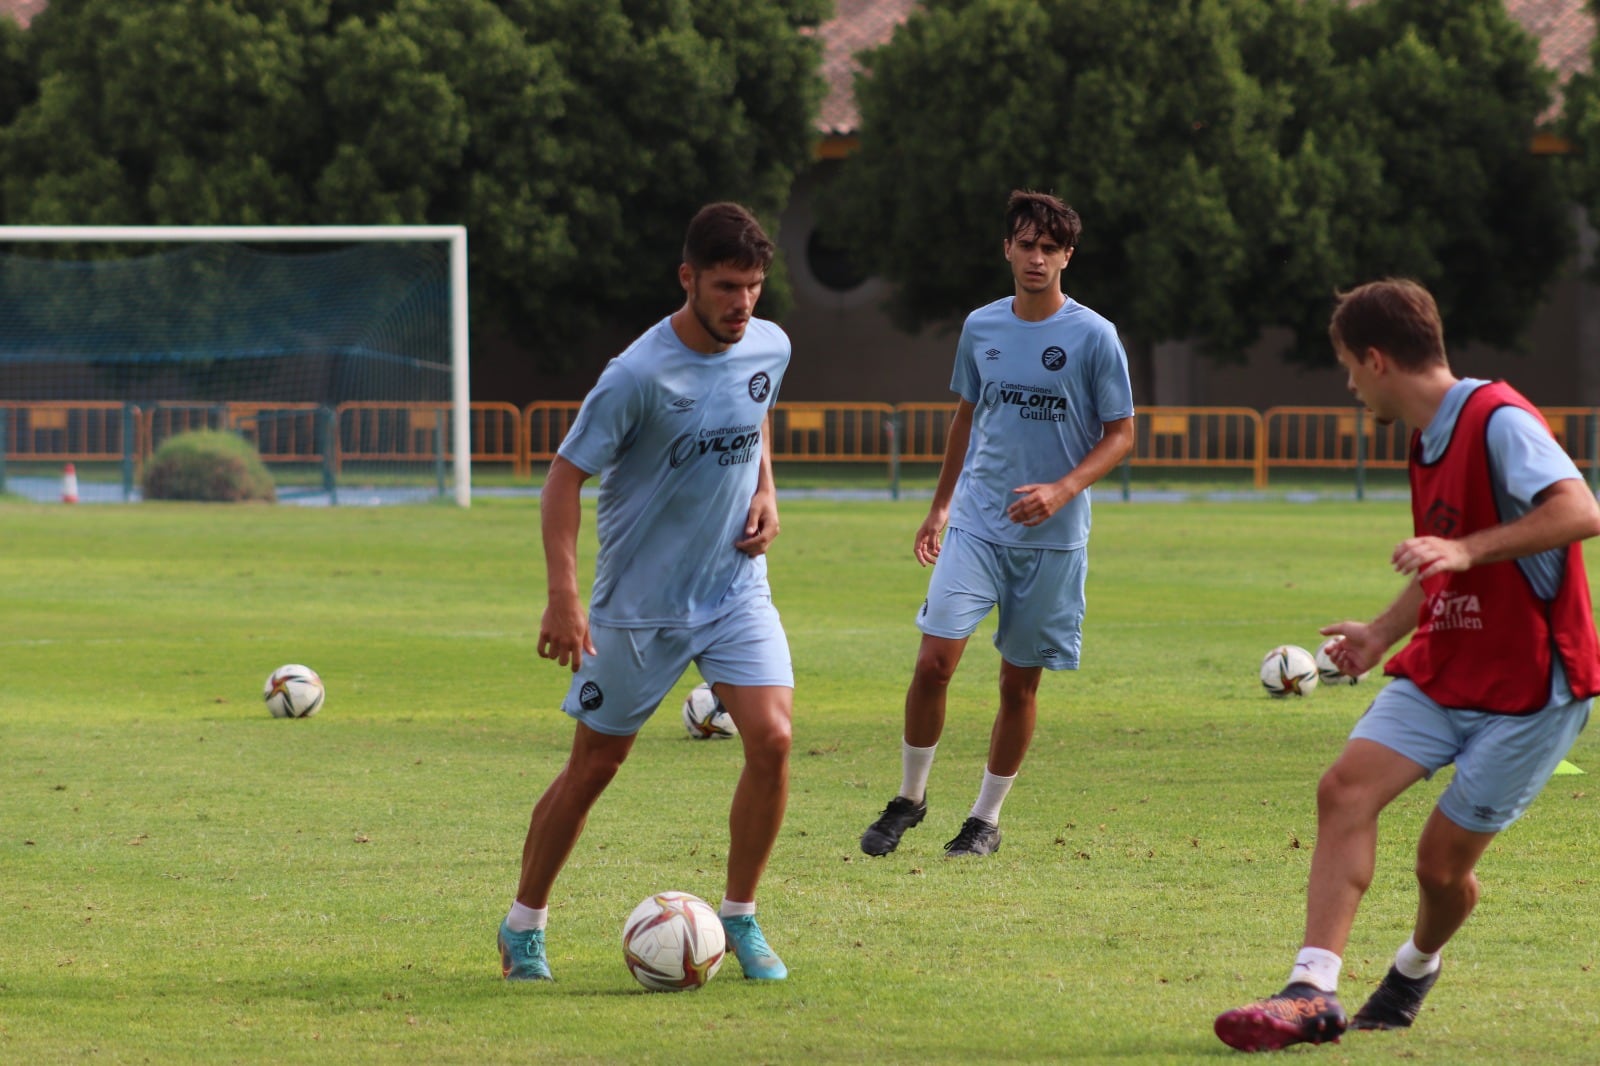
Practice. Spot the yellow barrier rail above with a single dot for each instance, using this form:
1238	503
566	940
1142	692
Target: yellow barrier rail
281	432
833	432
1209	437
373	432
1333	438
545	426
79	432
1287	437
925	428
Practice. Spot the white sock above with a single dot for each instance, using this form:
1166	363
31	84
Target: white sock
1317	967
1413	963
522	919
991	796
914	766
730	909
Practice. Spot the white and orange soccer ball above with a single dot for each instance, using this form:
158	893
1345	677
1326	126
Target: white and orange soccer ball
1289	670
294	691
704	716
673	941
1328	670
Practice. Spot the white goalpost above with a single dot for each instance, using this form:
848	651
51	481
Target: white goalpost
455	237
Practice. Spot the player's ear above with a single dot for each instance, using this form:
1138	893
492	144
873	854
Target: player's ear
686	277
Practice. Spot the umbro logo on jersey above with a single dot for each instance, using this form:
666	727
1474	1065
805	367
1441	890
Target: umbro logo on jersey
685	404
992	353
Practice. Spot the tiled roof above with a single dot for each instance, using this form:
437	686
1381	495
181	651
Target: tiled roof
858	25
1565	30
23	10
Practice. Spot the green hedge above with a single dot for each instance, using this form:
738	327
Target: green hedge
207	465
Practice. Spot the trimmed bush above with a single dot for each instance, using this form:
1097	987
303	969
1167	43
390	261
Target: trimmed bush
207	465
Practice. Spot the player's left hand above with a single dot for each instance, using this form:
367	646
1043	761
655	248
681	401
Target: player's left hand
1426	556
761	527
1035	503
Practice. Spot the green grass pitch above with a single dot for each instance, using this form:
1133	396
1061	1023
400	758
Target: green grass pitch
185	879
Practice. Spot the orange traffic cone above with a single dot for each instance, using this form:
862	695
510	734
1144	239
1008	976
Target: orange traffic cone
69	484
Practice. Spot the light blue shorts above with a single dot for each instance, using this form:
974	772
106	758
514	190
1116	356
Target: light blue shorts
1039	592
1502	761
616	691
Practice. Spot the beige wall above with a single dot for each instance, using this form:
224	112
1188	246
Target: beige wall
846	349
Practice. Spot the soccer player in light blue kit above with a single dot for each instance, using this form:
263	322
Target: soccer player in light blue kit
687	509
1046	410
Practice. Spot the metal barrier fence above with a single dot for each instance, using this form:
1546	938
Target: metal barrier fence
1281	438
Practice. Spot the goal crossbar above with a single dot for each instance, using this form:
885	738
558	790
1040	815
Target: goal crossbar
455	236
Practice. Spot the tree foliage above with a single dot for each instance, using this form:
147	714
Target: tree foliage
1580	126
1235	161
574	138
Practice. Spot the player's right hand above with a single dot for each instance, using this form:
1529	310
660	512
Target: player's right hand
929	535
564	635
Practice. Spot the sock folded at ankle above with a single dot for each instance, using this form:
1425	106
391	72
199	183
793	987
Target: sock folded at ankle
730	909
524	919
1317	967
1413	963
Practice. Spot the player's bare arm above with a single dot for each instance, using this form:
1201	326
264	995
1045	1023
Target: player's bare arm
564	629
1037	502
926	545
1563	513
761	526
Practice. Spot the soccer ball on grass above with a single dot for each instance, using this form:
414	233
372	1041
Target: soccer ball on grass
1289	670
704	716
673	941
1328	670
293	691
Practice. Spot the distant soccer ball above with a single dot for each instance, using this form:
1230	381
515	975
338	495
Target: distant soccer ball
1289	670
293	691
673	941
704	716
1328	670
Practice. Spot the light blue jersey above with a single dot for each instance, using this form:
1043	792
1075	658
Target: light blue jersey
1041	391
675	436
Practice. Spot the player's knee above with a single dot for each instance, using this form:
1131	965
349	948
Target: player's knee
1435	878
771	743
936	666
1339	794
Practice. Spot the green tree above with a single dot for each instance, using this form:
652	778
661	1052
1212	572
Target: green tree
572	137
1235	161
1423	131
1579	125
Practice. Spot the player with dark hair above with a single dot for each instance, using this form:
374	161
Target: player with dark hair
1498	677
687	509
1045	411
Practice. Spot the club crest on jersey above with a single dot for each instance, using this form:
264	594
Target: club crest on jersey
1053	358
760	386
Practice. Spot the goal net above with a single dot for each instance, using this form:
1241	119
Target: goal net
341	351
